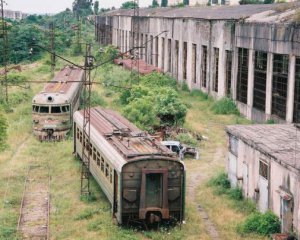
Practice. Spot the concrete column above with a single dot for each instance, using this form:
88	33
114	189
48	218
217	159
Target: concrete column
291	90
269	86
250	83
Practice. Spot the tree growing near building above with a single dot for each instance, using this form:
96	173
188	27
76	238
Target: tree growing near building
82	7
154	4
96	7
129	5
164	3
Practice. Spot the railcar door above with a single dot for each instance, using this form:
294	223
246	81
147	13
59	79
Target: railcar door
116	185
154	190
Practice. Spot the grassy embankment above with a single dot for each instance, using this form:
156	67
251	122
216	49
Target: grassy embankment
72	218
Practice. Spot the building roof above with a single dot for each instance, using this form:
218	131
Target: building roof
279	141
204	12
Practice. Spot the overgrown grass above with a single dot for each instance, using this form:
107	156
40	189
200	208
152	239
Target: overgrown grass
225	106
187	139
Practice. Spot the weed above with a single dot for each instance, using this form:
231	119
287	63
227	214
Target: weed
270	121
200	94
97	100
220	180
7	232
88	198
246	206
260	223
235	193
187	139
95	226
225	106
185	87
87	214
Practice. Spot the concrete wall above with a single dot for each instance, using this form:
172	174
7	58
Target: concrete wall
282	180
224	35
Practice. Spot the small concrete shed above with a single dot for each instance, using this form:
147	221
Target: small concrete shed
264	160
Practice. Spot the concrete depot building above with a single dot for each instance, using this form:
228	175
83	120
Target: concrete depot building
248	52
264	160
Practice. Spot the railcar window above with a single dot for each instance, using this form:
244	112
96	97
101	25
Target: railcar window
35	108
65	108
111	176
98	159
44	109
81	137
55	110
106	170
91	149
94	153
77	133
102	164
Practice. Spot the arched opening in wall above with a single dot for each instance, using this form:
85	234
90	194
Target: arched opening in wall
163	54
279	84
297	92
169	56
184	62
216	70
194	61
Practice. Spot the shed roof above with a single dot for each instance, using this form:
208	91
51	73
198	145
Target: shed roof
202	12
279	141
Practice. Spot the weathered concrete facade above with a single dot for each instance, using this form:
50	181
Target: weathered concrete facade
264	161
15	15
244	52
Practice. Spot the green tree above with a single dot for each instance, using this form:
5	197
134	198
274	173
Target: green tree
186	2
154	4
82	7
129	5
96	7
164	3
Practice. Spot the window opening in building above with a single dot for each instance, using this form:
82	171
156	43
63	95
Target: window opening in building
216	69
194	61
169	54
228	72
233	145
260	80
242	77
279	84
177	56
163	53
204	67
151	50
263	169
146	48
156	52
184	62
297	92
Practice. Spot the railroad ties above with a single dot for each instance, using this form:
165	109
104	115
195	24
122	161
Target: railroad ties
35	205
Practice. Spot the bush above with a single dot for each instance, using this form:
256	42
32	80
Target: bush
200	94
187	139
97	100
220	180
185	87
235	193
158	80
260	223
270	121
225	106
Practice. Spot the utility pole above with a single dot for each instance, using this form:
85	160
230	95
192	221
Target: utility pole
135	31
52	45
4	50
86	151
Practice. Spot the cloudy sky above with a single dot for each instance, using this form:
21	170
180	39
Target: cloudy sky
54	6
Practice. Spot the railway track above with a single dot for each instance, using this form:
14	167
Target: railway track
35	206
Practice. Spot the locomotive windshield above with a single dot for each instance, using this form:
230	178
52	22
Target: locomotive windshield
53	109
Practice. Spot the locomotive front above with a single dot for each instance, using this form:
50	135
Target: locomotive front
153	190
51	116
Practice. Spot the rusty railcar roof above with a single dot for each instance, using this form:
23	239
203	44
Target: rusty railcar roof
125	137
63	81
62	87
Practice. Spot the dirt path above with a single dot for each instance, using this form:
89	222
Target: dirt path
196	179
34	212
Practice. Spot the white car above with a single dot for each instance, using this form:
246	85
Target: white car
181	149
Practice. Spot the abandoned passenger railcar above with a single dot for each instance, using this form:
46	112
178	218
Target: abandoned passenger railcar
142	179
53	108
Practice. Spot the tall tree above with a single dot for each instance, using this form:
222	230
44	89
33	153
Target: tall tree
82	7
164	3
128	5
154	4
96	7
